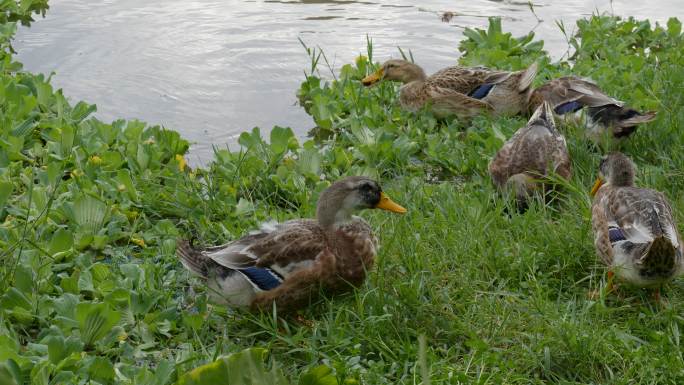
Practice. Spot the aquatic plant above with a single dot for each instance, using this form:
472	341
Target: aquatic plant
90	213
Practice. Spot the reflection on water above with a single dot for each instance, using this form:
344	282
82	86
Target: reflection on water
213	68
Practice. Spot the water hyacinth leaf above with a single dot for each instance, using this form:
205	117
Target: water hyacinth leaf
61	241
319	375
310	162
10	374
89	213
280	139
5	192
24	279
14	299
95	320
9	349
123	177
56	348
81	111
243	368
243	207
27	126
101	369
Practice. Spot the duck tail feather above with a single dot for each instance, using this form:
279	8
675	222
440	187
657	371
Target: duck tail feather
191	258
527	77
660	248
637	118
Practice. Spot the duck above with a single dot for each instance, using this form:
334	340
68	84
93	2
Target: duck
458	91
635	233
583	100
535	151
286	264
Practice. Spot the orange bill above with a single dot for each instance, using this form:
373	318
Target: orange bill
387	204
597	185
372	78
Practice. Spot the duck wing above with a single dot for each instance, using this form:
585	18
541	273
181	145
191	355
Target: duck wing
277	246
473	81
445	99
569	94
638	216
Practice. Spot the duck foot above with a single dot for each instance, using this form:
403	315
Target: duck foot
610	288
303	321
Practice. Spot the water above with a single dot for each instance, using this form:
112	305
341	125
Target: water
211	69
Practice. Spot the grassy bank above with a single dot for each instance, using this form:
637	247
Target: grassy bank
90	213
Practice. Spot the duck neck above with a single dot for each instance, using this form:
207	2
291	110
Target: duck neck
333	211
414	74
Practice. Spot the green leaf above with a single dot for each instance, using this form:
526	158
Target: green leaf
5	192
14	298
101	369
319	375
10	374
61	241
56	348
89	213
243	368
95	320
9	349
280	138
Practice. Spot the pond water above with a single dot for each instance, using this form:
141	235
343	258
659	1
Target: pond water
211	69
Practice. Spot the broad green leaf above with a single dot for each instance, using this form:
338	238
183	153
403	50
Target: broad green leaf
89	213
95	321
243	368
5	192
61	241
319	375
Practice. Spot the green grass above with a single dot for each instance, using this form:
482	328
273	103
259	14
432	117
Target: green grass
90	212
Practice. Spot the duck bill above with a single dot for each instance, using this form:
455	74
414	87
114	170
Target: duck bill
597	185
372	78
387	204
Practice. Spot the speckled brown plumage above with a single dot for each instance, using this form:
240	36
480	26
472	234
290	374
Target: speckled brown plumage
532	153
289	263
450	90
645	248
604	114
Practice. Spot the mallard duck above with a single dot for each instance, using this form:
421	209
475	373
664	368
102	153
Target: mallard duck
602	114
288	262
461	91
634	230
532	153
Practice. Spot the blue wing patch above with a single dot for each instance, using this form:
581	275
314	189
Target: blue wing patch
568	107
263	278
615	234
481	91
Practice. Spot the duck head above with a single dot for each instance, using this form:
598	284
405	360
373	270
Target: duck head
615	169
395	69
346	196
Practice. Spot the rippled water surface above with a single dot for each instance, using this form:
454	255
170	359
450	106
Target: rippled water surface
214	68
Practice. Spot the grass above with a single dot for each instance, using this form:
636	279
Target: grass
90	213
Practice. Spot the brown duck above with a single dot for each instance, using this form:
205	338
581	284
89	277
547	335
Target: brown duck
603	115
288	263
634	230
460	91
532	153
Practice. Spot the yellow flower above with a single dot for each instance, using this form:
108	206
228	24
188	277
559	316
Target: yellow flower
95	160
181	162
138	241
76	173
